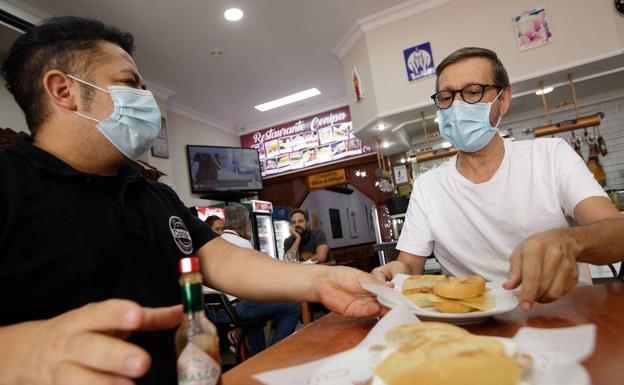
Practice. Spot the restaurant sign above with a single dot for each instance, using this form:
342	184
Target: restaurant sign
327	179
305	142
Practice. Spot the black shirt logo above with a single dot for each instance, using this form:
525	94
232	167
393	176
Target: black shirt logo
181	235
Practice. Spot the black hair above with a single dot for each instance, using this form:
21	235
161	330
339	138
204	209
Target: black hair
299	211
499	73
58	43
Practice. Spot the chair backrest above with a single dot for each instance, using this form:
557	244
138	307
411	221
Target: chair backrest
220	301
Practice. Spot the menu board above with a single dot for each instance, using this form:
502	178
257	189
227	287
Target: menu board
313	140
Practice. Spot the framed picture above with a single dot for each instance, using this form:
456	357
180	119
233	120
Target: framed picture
532	28
419	62
160	148
336	223
400	174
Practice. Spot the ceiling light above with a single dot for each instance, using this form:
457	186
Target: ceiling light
288	99
547	90
233	14
436	119
381	126
385	145
402	160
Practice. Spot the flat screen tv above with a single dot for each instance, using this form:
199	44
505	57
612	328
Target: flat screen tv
218	169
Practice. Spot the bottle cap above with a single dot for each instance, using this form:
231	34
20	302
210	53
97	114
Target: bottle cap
189	265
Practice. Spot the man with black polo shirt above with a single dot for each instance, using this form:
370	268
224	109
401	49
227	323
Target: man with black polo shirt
305	243
78	226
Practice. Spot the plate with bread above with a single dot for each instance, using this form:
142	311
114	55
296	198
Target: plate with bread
458	300
440	353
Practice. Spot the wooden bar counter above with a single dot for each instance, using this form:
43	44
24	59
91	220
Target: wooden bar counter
600	304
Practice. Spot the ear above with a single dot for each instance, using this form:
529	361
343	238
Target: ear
61	90
505	100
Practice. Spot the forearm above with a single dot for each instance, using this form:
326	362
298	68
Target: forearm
321	253
12	371
251	275
414	264
295	246
601	242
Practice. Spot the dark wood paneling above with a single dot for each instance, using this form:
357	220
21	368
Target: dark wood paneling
291	190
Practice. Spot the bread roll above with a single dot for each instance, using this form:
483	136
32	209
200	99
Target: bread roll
401	335
460	287
448	358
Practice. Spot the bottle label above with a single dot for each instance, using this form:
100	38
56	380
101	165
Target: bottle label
196	367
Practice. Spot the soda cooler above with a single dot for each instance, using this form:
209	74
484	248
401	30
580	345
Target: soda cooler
263	234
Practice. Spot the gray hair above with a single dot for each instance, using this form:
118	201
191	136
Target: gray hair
499	73
236	217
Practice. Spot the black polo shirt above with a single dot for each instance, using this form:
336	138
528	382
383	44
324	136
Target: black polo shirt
68	238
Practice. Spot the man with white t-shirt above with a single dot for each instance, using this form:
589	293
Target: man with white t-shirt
284	315
524	211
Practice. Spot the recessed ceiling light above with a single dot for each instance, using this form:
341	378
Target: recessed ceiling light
381	126
288	99
547	90
402	160
385	145
233	14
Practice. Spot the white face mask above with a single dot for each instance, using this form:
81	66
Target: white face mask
135	121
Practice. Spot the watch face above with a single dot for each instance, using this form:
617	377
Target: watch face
619	5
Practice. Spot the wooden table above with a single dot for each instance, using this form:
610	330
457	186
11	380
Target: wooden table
601	304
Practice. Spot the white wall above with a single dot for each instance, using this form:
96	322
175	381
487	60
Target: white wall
366	109
611	128
582	30
323	200
182	131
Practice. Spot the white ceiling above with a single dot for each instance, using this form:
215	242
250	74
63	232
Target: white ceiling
280	47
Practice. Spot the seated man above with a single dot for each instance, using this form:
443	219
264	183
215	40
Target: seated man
74	284
305	243
284	315
215	223
503	209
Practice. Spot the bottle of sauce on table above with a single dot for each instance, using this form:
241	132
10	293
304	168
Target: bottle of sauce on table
196	340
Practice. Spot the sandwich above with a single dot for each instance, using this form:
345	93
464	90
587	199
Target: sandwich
461	295
417	288
441	354
448	294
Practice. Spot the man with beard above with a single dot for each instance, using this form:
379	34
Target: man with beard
305	243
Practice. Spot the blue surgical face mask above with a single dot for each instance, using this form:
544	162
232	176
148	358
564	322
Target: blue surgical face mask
135	121
467	126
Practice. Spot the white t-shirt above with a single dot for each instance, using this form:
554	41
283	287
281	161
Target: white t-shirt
232	237
474	228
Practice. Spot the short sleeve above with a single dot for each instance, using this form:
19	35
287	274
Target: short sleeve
200	232
574	180
416	236
288	242
319	238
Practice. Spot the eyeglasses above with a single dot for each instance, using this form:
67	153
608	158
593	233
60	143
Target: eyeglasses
471	94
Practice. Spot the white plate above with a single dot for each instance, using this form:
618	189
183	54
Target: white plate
506	301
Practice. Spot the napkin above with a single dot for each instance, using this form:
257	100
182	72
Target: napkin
556	353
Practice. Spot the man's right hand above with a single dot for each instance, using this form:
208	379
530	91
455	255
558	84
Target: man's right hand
389	270
82	346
